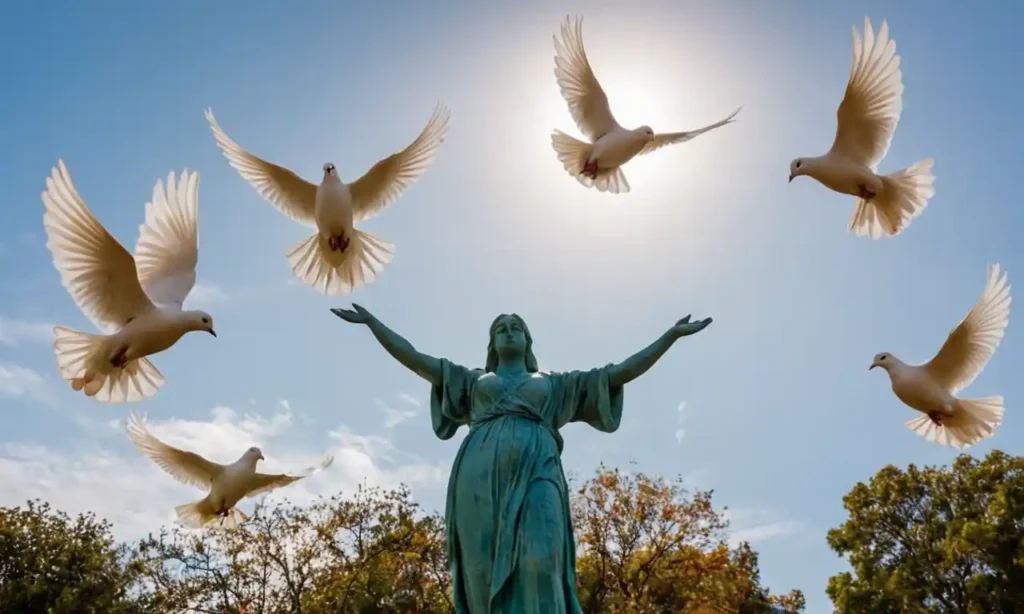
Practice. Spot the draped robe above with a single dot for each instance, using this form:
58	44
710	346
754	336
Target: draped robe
509	530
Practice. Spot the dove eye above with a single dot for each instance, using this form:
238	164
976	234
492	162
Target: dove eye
206	321
798	163
881	358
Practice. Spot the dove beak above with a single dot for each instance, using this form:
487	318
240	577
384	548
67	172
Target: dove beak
212	332
873	365
261	456
791	178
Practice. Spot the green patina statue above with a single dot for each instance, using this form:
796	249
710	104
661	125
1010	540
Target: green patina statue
509	530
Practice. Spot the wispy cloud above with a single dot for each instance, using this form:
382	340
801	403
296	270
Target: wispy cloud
13	331
393	417
205	294
408	398
680	420
113	486
18	382
758	524
110	478
226	430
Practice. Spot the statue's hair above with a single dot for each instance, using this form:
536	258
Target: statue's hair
492	352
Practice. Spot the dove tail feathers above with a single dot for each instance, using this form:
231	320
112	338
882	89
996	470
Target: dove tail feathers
82	363
234	519
339	272
574	155
194	515
974	420
903	197
200	514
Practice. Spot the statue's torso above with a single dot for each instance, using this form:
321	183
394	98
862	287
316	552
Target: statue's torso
508	496
492	390
508	432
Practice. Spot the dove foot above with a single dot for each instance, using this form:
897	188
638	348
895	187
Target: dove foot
864	192
936	417
339	243
590	169
120	359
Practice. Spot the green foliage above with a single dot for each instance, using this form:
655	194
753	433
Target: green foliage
50	563
935	539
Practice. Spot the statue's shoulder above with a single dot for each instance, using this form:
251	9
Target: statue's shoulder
472	371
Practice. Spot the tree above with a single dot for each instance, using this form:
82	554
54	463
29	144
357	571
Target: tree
50	563
643	545
935	539
371	553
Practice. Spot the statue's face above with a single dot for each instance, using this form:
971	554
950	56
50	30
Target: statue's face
509	336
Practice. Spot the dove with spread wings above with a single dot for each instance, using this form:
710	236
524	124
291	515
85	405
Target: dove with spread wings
598	163
867	119
338	257
930	388
227	484
137	301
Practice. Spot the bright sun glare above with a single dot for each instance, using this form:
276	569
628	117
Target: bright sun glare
656	94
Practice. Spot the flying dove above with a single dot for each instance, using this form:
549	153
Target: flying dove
867	118
136	301
598	163
930	388
227	484
338	257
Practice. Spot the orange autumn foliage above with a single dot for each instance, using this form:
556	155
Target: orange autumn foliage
645	544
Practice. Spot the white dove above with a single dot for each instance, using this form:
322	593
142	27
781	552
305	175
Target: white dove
930	388
867	118
228	484
337	258
136	301
599	163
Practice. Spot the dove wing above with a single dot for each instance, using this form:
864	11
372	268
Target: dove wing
971	344
588	103
97	271
265	482
168	248
388	178
871	107
291	194
674	138
186	467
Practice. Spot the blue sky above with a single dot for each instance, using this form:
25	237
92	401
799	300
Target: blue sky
781	416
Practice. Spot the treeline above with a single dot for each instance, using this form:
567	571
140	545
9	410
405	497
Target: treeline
644	545
945	539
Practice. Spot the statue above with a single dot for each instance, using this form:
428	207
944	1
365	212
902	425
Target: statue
509	530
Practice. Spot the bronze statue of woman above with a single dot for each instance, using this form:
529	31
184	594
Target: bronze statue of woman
507	516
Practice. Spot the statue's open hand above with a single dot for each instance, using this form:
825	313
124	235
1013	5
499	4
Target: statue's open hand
685	327
356	315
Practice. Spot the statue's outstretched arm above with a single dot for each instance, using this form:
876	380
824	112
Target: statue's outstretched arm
638	364
424	365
